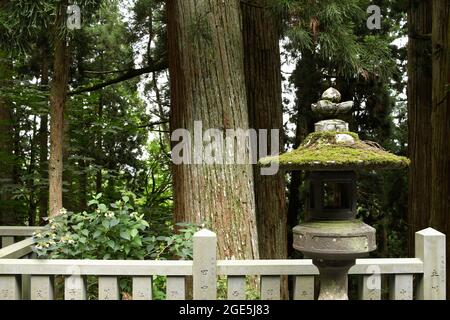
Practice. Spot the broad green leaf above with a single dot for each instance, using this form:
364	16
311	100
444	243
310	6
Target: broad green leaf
91	202
134	233
113	222
111	244
137	242
125	234
105	223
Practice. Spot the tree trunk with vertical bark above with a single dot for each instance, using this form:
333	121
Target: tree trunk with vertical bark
263	82
440	122
58	94
208	85
6	147
43	136
99	176
419	117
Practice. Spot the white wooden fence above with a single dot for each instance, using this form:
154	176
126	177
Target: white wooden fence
422	277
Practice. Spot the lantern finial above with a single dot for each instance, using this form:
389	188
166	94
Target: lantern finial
330	106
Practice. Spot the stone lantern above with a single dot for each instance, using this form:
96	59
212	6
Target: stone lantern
331	156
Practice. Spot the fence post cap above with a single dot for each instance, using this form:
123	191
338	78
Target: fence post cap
430	232
204	233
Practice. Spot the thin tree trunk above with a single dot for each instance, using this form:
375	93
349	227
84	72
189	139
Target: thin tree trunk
164	136
98	181
99	176
208	85
43	137
58	94
263	82
6	148
419	117
440	121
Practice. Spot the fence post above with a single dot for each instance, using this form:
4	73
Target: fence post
204	270
430	248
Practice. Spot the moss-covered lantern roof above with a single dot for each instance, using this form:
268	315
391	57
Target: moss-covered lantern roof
333	147
332	150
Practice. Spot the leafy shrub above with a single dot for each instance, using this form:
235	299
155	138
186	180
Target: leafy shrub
114	232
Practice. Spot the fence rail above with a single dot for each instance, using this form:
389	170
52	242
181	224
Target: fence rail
422	277
9	234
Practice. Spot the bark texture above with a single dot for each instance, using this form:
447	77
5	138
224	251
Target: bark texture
208	85
419	117
6	147
440	122
58	94
263	83
43	136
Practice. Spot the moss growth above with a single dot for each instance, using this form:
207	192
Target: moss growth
334	224
321	151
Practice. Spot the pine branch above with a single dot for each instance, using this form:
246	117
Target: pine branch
152	124
158	66
106	71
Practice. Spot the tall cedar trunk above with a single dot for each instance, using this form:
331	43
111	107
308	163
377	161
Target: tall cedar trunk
263	82
43	136
58	93
208	85
6	147
419	117
6	160
440	121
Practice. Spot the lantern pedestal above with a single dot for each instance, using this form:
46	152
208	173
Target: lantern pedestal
333	278
334	246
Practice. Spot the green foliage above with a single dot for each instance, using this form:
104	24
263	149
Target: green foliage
109	232
113	232
331	30
23	22
107	144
